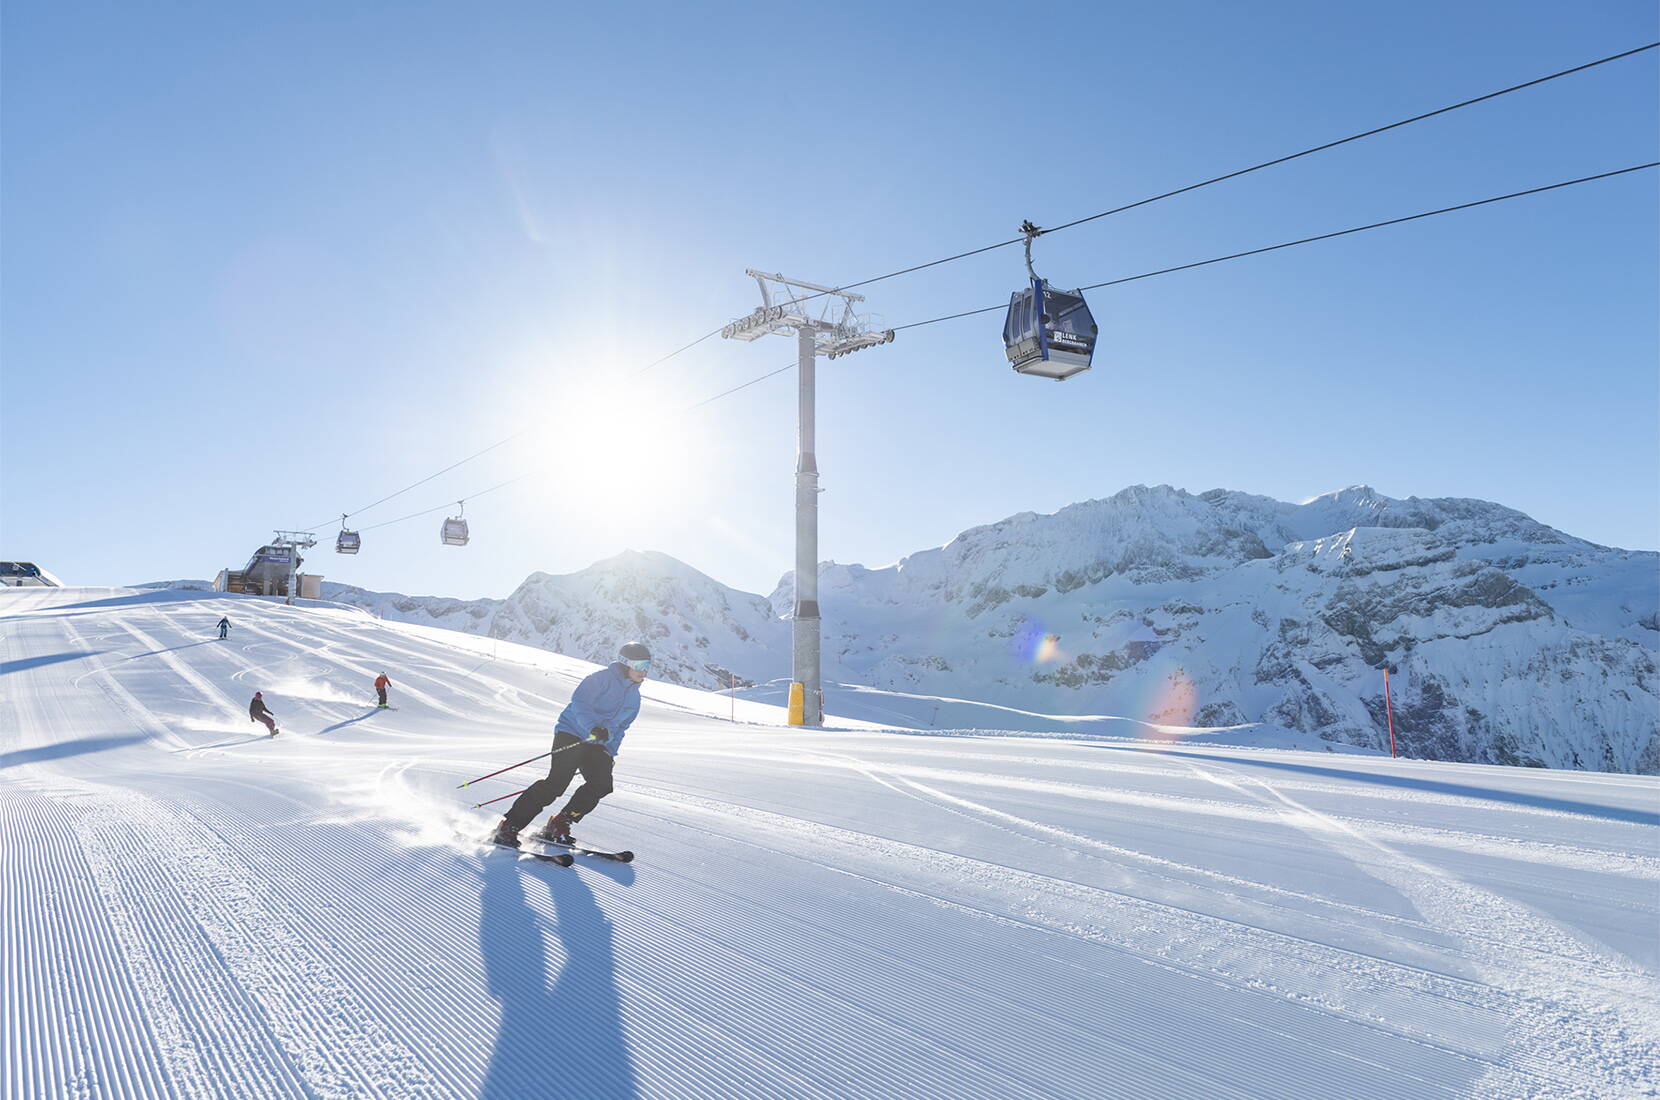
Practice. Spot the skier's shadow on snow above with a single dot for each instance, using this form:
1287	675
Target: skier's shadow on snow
169	649
350	721
226	744
561	1020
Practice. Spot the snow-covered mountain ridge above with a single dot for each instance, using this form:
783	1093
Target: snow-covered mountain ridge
1507	641
701	633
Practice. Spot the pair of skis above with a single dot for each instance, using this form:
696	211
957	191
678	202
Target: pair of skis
568	856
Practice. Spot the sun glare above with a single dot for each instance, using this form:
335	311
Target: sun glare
619	451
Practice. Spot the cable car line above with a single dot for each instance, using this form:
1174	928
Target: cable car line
534	473
1357	137
1093	286
1308	240
485	451
677	351
746	385
1098	286
1245	171
1027	237
418	484
447	503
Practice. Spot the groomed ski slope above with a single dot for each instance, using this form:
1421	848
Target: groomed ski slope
191	910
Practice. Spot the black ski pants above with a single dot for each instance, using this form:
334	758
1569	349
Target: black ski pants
382	693
570	755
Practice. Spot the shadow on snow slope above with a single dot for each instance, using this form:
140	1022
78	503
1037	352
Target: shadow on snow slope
225	744
1406	782
169	649
560	1039
67	748
164	595
23	664
372	711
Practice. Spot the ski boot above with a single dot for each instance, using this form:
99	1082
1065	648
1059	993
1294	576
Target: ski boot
558	828
506	835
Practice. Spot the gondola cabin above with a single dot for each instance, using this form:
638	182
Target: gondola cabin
1049	333
455	531
347	542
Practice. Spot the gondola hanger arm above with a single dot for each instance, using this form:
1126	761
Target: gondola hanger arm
1031	233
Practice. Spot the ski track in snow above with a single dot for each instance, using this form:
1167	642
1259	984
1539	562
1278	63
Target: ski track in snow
198	929
1574	857
1365	989
1355	919
815	915
1542	969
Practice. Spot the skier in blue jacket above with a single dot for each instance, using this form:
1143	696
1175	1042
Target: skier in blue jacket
585	739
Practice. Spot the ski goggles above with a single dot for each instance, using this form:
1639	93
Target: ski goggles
639	666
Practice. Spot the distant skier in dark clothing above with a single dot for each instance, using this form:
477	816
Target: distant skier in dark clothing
585	739
381	683
224	627
259	712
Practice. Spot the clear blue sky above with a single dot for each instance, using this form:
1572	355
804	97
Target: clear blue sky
265	264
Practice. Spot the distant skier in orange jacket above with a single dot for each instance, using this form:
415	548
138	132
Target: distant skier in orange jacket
381	683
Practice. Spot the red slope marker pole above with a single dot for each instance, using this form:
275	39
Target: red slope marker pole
1389	709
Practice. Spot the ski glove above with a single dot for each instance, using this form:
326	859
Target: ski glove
599	733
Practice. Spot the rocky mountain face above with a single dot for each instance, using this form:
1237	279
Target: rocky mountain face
1506	641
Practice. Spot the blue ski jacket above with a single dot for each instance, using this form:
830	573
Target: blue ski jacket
606	698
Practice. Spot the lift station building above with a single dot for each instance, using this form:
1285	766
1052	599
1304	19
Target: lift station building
274	570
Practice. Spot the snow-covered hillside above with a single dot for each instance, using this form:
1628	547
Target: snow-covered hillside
192	910
1507	641
701	633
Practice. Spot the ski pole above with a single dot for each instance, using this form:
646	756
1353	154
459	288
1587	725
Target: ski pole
522	763
522	790
509	768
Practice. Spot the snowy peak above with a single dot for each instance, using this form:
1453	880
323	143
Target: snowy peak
1363	496
1461	518
701	633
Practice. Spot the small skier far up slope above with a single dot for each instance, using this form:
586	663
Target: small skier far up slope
259	712
381	683
586	738
224	627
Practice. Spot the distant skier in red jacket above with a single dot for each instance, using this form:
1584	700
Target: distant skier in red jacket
381	683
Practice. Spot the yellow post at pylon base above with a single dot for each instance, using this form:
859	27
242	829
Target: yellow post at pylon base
798	705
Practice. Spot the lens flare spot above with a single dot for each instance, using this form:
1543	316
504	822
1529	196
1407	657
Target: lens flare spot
1034	644
1173	704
